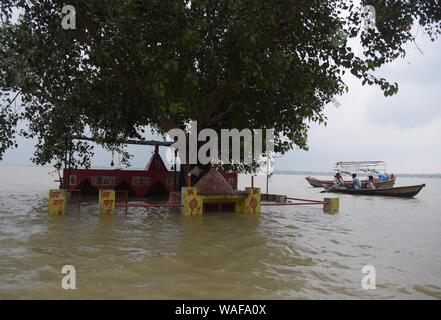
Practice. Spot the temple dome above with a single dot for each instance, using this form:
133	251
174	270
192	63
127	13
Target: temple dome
214	183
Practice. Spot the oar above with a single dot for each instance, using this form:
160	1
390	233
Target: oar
327	189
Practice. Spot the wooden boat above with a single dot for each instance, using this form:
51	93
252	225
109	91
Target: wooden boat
318	183
403	192
358	167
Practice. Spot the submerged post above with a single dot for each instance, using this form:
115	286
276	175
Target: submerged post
251	203
192	203
57	201
107	201
331	205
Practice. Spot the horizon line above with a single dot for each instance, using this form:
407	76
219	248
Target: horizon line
277	171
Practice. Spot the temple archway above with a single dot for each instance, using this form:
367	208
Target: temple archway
124	185
87	189
157	189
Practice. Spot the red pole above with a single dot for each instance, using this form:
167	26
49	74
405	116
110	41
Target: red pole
160	205
189	180
292	204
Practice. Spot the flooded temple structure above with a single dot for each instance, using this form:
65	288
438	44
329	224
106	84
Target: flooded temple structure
155	180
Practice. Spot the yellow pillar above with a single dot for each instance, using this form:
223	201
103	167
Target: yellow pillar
251	204
192	203
331	205
107	201
57	202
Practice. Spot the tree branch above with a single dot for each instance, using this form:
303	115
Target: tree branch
12	101
121	72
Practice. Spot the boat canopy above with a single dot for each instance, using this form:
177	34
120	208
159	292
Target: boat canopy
349	167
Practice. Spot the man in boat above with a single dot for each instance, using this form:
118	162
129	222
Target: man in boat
370	183
356	181
338	180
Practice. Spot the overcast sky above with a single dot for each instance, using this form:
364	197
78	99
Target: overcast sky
403	130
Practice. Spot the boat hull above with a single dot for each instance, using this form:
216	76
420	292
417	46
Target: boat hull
402	192
318	183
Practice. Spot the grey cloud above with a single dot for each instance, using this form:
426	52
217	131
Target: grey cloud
418	100
413	106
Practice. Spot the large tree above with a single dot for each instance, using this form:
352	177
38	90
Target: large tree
227	64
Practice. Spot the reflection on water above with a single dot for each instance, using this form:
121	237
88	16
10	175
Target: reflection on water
286	252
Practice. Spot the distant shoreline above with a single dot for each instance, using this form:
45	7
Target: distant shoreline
330	173
278	172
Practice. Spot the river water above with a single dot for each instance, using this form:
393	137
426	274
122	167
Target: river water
293	252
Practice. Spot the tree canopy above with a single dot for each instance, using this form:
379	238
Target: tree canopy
161	63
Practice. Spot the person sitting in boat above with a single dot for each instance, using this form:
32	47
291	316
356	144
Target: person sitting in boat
370	183
338	180
356	181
